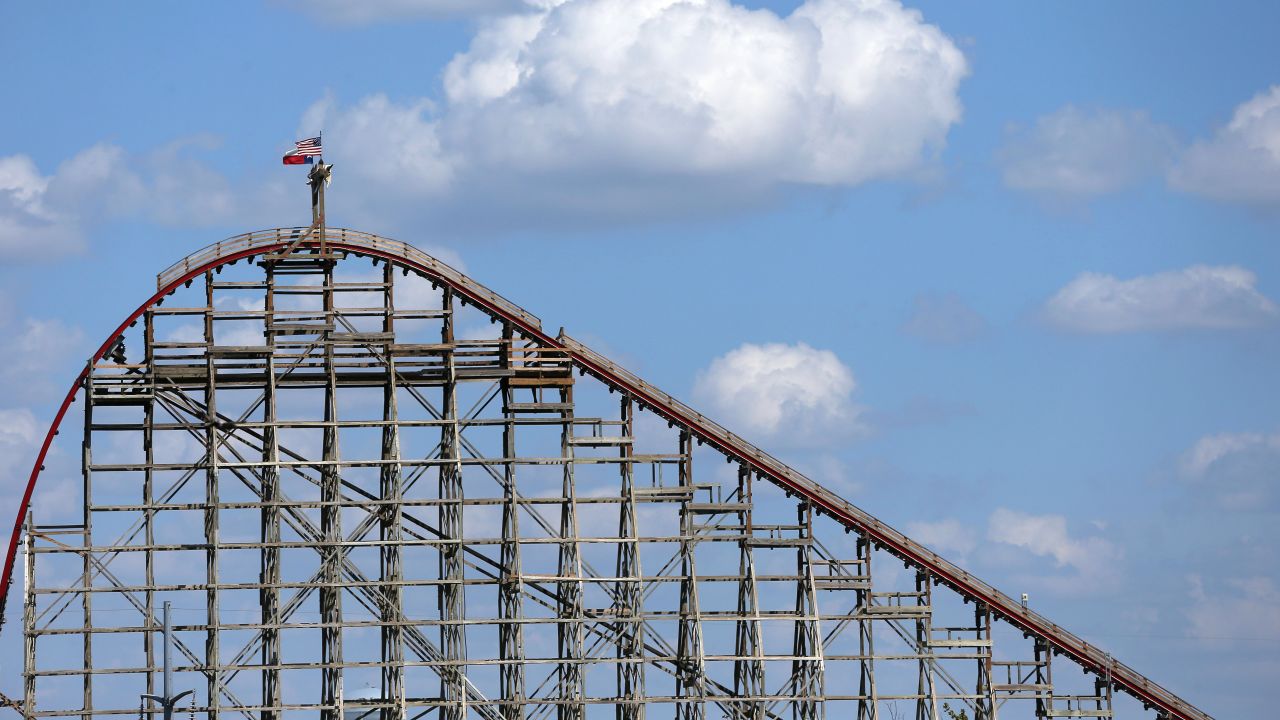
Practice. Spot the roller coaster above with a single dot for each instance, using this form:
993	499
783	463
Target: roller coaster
375	488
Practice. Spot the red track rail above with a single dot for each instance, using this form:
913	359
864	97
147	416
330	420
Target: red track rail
1090	657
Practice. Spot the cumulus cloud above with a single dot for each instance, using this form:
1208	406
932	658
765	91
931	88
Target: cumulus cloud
45	216
1073	155
1241	163
793	394
1196	297
345	12
1246	608
943	318
616	108
376	140
1092	559
1238	471
28	225
945	536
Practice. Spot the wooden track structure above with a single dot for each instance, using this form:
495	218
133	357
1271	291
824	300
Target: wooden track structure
475	525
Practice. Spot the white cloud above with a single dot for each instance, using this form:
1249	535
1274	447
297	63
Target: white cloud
943	318
28	226
789	393
1212	449
97	182
1238	471
1196	297
1094	559
945	536
608	108
1247	608
1073	155
45	217
1241	163
836	93
377	140
364	12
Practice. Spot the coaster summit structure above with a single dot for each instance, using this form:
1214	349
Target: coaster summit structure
371	487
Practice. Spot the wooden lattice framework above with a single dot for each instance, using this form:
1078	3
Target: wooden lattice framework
372	487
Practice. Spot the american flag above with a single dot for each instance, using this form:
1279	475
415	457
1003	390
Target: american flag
310	146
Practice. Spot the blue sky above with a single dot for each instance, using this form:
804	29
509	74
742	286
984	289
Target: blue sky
1030	247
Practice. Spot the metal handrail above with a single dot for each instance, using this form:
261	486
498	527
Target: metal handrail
898	543
342	239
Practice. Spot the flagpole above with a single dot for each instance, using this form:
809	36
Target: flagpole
318	175
305	152
320	221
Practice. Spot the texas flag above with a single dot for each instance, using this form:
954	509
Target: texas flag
302	155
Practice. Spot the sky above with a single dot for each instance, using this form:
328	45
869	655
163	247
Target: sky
1004	274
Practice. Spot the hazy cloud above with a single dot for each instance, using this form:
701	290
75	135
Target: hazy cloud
1241	163
1239	471
1093	559
945	536
832	473
57	497
789	393
943	318
1196	297
20	438
35	351
1073	155
35	341
1246	608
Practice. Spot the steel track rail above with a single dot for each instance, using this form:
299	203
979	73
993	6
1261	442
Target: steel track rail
1090	657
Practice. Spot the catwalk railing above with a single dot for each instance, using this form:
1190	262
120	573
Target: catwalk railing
271	239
